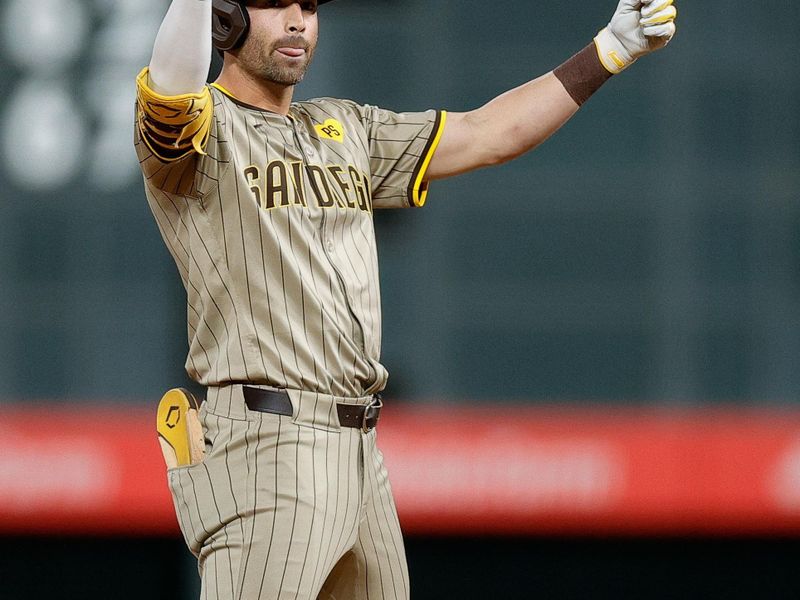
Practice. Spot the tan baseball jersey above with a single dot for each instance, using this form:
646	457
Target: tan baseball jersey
269	220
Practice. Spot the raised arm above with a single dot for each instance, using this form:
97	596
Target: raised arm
521	119
182	50
174	108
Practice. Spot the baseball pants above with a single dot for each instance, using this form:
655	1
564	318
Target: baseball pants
289	507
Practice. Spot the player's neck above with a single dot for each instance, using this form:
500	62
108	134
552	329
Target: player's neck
260	93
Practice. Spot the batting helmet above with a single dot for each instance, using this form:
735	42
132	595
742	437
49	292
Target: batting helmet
230	23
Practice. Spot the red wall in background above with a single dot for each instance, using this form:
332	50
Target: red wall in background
492	469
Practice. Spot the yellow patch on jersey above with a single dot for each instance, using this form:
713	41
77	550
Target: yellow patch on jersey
331	129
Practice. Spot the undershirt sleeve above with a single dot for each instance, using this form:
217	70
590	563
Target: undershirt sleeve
182	49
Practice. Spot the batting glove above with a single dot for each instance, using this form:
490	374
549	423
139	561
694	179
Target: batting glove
638	27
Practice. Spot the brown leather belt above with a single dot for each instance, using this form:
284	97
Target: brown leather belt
359	416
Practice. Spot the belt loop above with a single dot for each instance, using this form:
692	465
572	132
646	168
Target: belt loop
226	401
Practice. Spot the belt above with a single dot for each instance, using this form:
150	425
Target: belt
359	416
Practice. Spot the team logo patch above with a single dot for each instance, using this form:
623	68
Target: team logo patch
331	130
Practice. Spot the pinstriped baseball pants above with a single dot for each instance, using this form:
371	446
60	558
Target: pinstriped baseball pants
289	507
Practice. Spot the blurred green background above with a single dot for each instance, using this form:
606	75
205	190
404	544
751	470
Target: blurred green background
649	253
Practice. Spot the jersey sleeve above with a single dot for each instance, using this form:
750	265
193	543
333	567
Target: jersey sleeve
177	139
401	146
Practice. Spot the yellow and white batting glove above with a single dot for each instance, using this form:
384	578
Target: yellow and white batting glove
638	27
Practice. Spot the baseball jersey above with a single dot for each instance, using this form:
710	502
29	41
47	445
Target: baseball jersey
269	221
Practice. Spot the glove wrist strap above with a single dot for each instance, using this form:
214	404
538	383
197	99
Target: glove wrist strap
612	54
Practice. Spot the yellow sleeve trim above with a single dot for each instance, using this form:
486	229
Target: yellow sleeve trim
173	126
419	192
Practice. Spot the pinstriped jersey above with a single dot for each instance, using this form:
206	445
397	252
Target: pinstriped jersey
269	221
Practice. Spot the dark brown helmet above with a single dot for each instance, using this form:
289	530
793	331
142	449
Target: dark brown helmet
230	23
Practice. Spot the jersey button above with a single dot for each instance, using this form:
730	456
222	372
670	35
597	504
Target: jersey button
329	245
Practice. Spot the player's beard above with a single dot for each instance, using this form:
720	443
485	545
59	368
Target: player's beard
265	62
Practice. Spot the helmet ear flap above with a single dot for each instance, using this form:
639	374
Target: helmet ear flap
230	23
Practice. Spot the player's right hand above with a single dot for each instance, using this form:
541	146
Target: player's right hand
638	27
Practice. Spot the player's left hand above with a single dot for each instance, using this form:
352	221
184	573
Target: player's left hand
638	27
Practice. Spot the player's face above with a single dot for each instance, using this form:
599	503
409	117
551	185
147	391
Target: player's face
283	37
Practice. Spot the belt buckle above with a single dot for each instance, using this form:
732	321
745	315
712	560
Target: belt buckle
371	413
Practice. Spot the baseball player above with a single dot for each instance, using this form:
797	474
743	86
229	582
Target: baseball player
266	206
